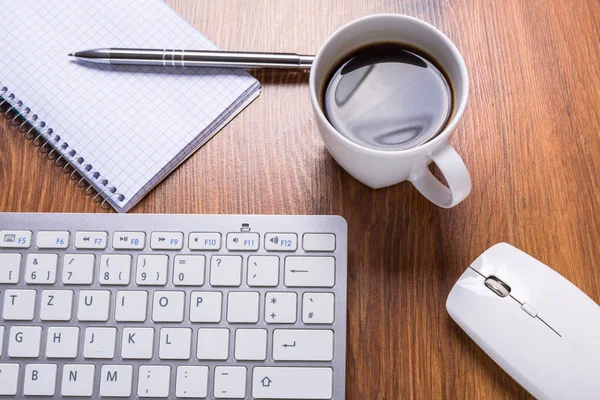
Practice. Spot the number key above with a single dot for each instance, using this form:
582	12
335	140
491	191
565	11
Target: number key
41	269
78	269
152	270
115	269
188	271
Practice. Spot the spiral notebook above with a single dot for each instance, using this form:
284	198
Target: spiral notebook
122	128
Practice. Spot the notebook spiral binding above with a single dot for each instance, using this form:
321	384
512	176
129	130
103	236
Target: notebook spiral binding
49	143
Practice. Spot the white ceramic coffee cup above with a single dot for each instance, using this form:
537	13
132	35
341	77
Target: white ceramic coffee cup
380	168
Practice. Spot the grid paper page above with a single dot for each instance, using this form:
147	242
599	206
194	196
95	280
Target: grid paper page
132	124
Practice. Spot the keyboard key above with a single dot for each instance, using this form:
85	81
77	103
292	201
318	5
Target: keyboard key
188	270
204	241
318	308
115	269
302	345
128	240
242	307
230	382
62	342
205	306
137	343
318	242
226	271
242	241
263	271
10	267
168	306
131	306
175	344
9	376
52	239
281	242
56	305
251	344
192	382
292	383
15	239
78	269
309	271
280	307
78	380
154	381
166	241
152	270
24	341
19	305
99	343
40	380
93	305
213	344
1	339
41	269
91	240
115	380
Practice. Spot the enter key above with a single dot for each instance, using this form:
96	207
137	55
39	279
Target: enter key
302	345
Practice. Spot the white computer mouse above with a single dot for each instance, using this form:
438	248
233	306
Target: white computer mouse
539	327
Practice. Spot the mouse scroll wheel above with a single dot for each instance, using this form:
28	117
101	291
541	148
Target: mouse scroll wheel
497	286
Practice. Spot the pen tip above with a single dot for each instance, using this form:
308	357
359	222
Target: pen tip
71	54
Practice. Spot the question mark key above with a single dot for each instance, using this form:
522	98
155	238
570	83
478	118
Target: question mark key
226	271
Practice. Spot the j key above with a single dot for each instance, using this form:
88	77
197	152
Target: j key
99	343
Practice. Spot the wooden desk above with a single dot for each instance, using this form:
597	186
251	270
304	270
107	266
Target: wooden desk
530	138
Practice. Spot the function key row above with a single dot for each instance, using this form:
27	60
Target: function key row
208	241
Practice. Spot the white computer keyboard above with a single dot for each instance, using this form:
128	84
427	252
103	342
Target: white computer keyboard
172	306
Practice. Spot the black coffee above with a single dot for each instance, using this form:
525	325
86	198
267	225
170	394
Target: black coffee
387	96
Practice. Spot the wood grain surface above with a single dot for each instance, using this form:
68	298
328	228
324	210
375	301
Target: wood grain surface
530	138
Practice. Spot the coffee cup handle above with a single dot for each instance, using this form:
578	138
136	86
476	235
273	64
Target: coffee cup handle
454	170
